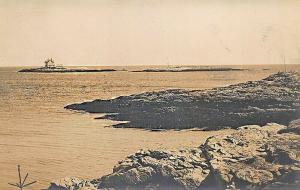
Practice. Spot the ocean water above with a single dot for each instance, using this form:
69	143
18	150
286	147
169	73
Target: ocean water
51	142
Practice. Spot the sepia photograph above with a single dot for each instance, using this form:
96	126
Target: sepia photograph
150	94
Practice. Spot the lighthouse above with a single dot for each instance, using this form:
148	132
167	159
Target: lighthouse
49	64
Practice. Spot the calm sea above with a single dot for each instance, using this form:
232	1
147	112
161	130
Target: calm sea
50	142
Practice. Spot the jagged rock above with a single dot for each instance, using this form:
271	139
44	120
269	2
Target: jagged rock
264	159
293	127
72	184
273	99
252	157
185	169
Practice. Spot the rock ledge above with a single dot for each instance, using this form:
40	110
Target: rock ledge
252	157
273	99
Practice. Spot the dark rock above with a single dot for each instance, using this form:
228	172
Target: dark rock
273	99
293	127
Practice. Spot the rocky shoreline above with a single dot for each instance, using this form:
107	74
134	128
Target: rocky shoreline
273	99
252	157
261	156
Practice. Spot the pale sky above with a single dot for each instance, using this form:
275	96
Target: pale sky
149	32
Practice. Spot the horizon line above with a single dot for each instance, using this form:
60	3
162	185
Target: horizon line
157	65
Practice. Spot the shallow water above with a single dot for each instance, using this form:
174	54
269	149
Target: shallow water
50	142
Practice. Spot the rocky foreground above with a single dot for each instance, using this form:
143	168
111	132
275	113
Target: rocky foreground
273	99
252	157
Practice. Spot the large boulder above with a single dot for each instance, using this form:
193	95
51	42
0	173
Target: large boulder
254	158
153	169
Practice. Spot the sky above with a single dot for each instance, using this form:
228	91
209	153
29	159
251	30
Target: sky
149	32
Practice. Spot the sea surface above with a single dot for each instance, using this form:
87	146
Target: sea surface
51	142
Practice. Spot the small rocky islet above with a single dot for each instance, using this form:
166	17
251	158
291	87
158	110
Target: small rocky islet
51	67
191	69
263	155
64	70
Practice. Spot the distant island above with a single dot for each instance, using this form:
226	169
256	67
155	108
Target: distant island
191	69
50	67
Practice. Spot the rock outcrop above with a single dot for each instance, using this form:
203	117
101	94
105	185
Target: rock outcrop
73	184
273	99
293	127
255	157
152	169
252	157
